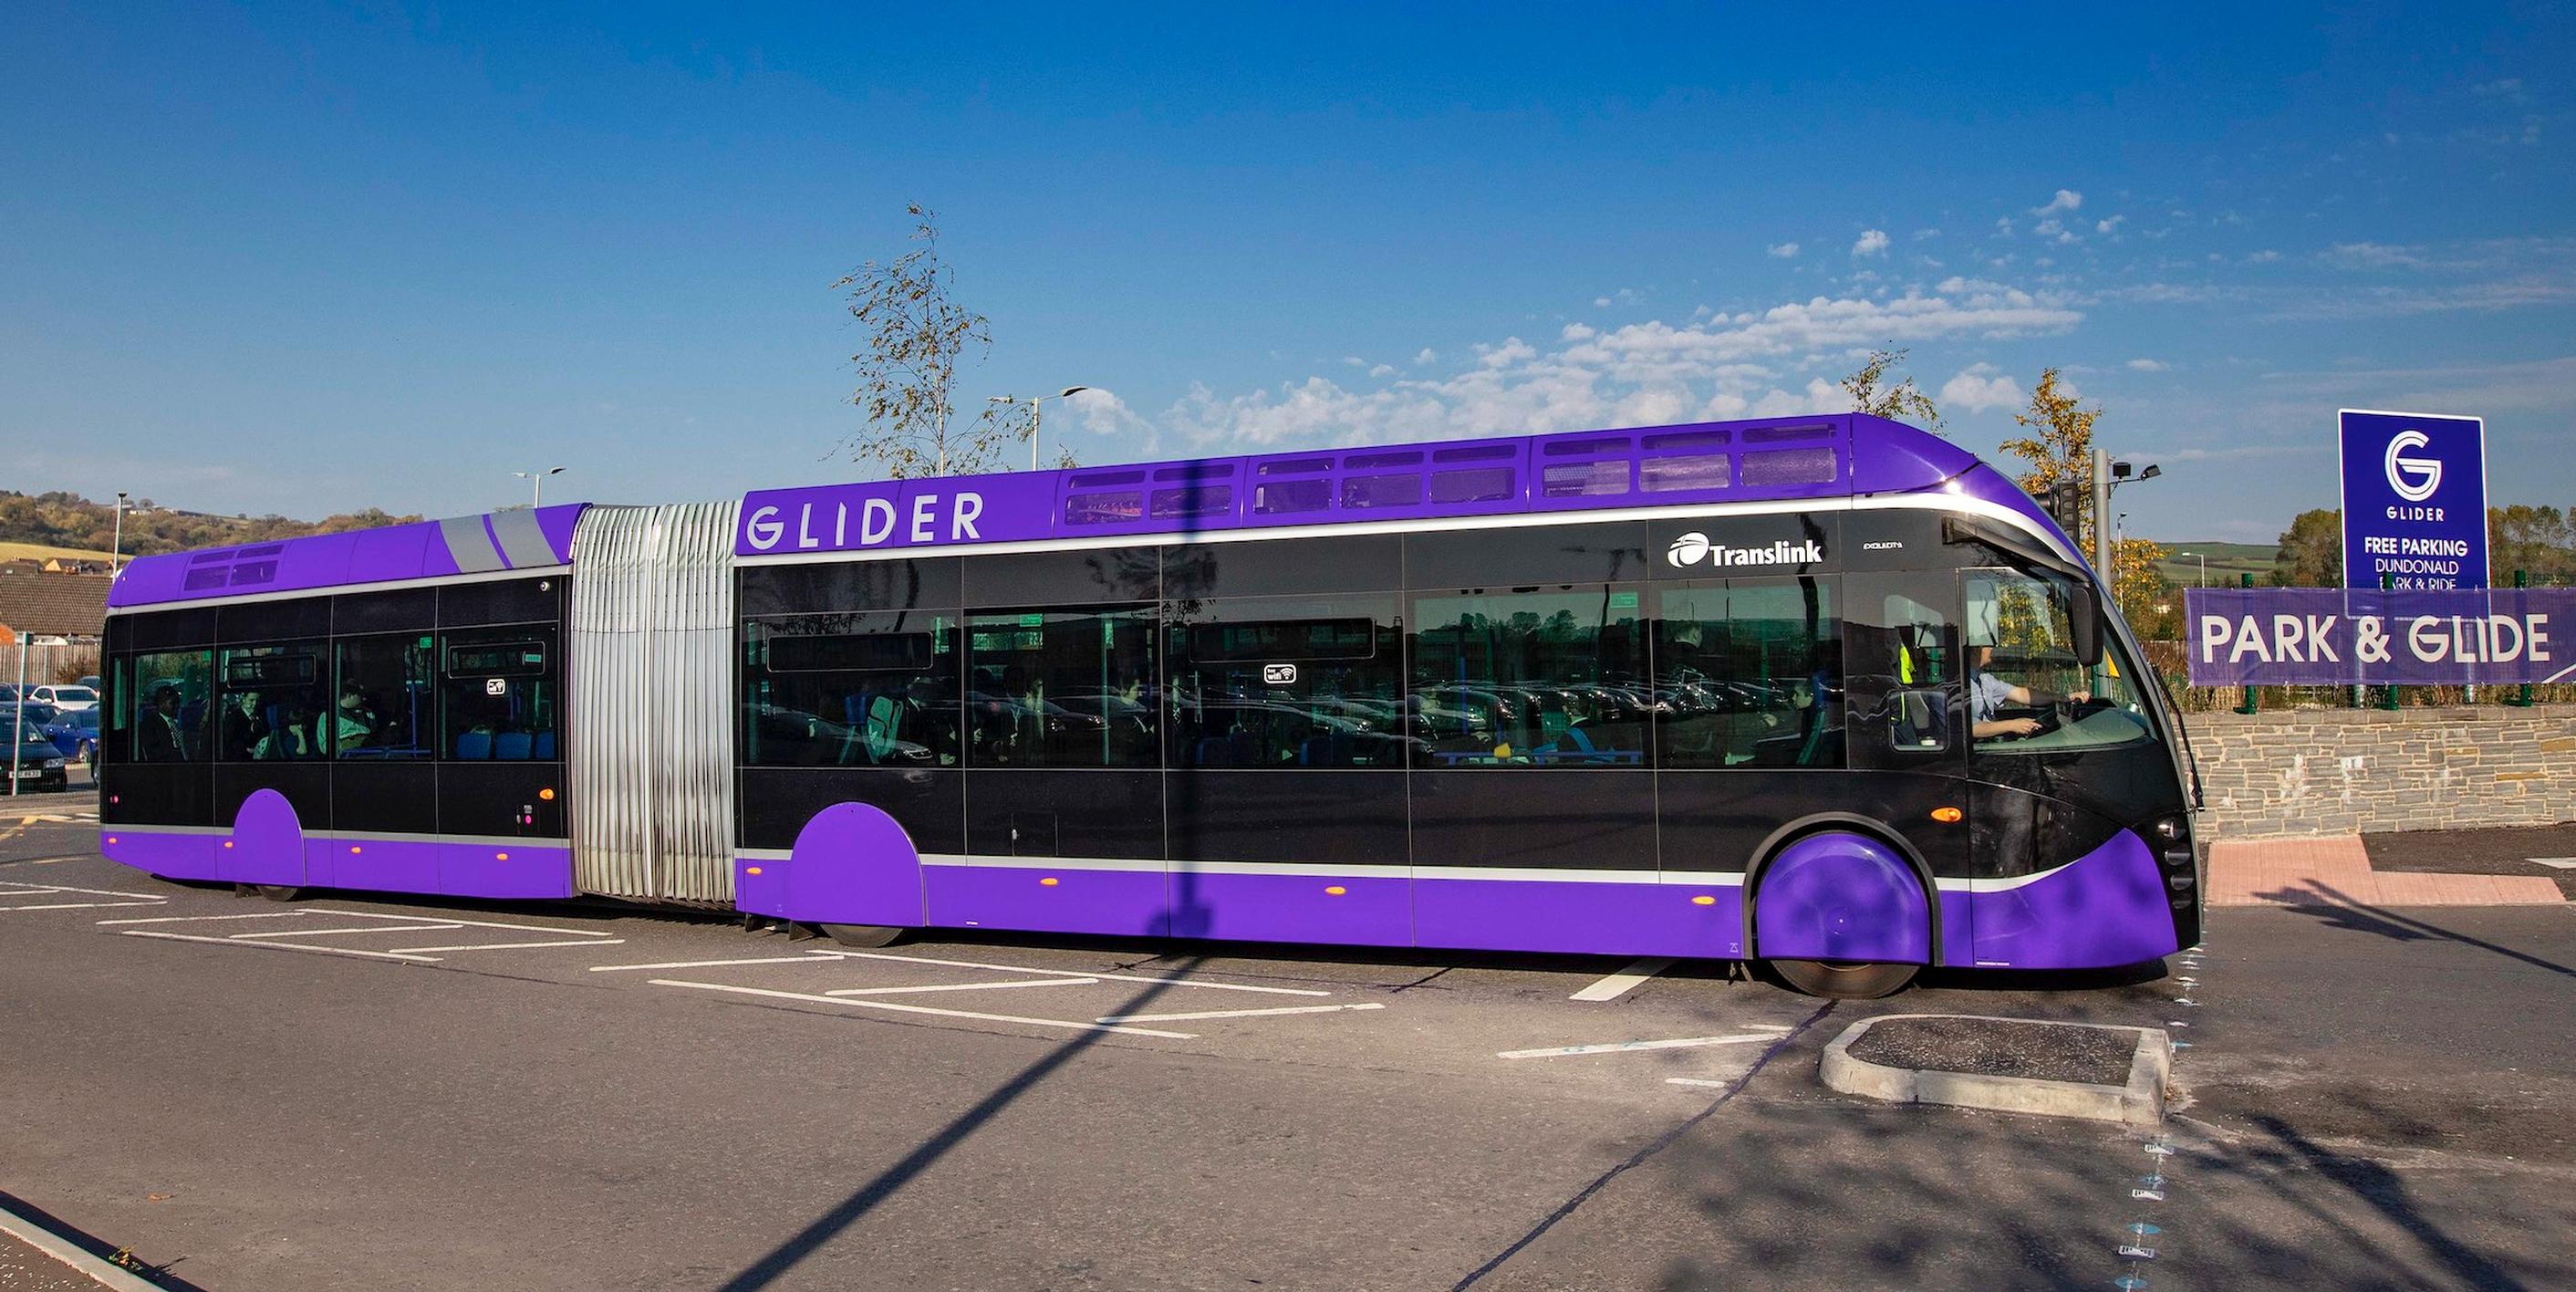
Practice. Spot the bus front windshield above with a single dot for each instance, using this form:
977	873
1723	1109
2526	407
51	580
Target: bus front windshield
2028	691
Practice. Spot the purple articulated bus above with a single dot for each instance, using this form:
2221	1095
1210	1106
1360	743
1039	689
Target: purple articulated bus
1826	693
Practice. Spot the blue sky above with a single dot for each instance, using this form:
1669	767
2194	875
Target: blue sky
305	259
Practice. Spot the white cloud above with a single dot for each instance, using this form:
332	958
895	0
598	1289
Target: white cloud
2263	257
1578	332
2003	226
1102	412
2054	230
1784	250
2374	255
2067	199
1872	242
2509	89
2148	365
1600	302
1634	374
1381	370
1428	355
2106	226
1921	234
1354	361
1980	389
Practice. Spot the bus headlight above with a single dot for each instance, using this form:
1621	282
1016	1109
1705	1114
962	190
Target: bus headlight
2170	829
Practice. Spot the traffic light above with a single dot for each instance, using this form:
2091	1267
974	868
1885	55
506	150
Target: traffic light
2065	503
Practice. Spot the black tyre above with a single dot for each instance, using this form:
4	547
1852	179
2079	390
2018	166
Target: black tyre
1843	980
865	936
89	755
281	892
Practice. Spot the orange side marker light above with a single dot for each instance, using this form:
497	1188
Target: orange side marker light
1703	900
1947	815
1335	890
1048	882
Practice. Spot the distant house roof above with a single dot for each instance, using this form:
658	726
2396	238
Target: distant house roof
41	604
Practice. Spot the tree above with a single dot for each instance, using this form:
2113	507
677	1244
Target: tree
2311	554
1902	402
915	336
2539	541
2061	449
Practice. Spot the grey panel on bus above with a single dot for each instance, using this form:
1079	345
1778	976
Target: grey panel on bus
652	702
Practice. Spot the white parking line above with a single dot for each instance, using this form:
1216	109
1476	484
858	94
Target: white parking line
2554	863
316	948
967	986
66	888
184	919
76	906
809	958
473	924
513	946
920	1009
1232	1013
1106	977
1694	1081
1619	984
1622	1047
368	928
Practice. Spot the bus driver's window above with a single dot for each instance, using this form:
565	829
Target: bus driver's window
2026	687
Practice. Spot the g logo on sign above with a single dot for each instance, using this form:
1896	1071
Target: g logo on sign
2413	478
1689	549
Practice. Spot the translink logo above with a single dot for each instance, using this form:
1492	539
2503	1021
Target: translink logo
1695	549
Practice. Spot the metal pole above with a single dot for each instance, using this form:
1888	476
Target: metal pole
2253	703
116	545
1036	411
2521	580
2102	514
18	717
536	490
2388	693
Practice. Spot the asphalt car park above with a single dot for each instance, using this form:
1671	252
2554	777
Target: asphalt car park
354	1090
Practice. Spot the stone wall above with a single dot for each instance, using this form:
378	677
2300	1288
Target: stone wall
2341	771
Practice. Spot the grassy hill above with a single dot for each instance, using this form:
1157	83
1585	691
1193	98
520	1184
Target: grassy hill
68	522
2226	561
42	552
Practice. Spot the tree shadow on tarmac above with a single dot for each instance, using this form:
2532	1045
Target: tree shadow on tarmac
2337	910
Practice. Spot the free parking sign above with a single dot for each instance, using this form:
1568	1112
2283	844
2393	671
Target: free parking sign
2414	499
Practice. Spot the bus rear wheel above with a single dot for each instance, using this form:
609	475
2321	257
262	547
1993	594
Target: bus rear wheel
280	892
1843	979
865	936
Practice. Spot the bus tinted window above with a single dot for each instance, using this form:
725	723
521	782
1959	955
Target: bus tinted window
1749	673
851	690
1288	682
271	704
498	694
1550	677
1058	688
2027	690
164	702
385	697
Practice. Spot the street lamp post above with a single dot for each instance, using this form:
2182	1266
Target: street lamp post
2204	565
2107	476
116	545
1032	403
537	483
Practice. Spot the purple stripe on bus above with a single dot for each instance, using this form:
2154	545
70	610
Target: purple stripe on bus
1841	896
393	553
2107	908
1711	462
1958	928
1127	902
1579	917
169	855
1350	910
505	869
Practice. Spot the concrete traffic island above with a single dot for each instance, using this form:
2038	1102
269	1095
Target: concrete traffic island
2015	1065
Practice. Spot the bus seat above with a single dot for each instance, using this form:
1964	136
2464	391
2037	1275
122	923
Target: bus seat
513	745
474	744
543	750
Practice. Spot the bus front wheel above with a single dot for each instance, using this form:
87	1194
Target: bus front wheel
865	935
1843	980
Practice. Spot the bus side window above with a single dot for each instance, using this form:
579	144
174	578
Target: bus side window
1899	648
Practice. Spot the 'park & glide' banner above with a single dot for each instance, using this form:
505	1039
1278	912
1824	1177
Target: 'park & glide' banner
2340	637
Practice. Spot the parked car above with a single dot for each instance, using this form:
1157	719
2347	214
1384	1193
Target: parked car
39	764
89	680
75	733
66	696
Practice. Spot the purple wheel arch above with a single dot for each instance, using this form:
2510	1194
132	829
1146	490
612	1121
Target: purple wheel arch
1836	895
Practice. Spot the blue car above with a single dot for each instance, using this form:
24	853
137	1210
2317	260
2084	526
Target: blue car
75	733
